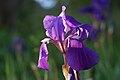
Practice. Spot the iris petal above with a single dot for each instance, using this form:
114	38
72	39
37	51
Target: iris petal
71	22
48	25
87	31
59	28
68	21
48	20
83	31
54	27
43	56
80	57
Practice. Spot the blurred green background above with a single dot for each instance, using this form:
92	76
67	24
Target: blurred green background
21	32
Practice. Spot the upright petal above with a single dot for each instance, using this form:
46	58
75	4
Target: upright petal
59	28
68	21
71	22
63	15
80	57
54	27
48	21
43	56
48	25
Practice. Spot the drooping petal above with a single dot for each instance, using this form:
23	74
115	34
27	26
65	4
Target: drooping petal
43	55
80	57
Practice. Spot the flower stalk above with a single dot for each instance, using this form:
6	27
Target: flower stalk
76	75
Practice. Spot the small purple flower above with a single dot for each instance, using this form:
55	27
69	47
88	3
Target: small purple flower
17	45
97	9
101	3
78	56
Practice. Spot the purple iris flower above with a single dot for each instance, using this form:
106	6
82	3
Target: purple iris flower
97	9
78	56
